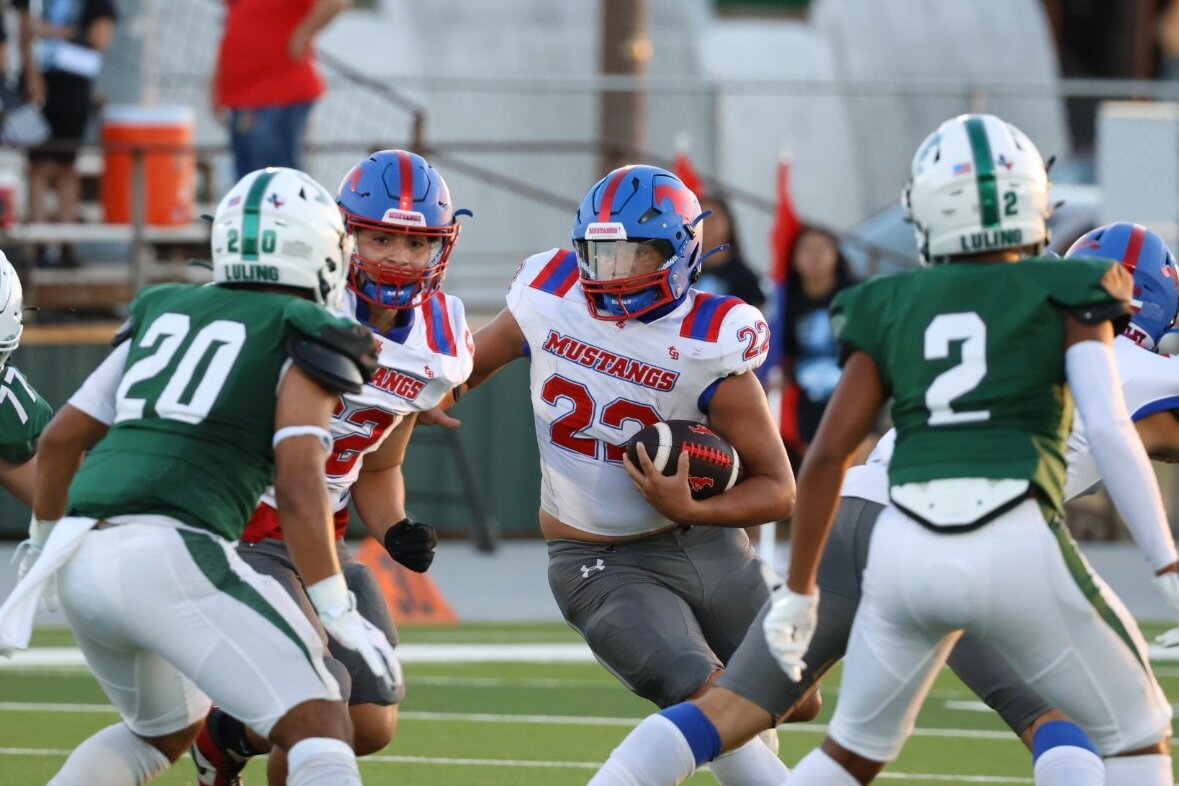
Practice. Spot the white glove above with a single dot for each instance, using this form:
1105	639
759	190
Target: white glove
337	612
27	553
789	626
1168	584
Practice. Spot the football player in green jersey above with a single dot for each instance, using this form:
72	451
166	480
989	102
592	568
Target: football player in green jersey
983	360
212	394
23	413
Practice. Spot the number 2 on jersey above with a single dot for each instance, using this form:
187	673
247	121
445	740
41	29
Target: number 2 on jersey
184	396
958	380
565	431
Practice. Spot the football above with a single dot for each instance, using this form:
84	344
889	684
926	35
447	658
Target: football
713	464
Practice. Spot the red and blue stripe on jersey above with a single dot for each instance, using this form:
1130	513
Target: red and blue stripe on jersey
558	275
703	322
439	333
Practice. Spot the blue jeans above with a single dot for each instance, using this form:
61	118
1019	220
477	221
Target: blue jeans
268	136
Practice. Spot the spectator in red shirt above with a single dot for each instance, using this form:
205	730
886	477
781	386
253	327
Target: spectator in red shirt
267	80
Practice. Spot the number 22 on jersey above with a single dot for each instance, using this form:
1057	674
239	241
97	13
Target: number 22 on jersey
566	432
187	393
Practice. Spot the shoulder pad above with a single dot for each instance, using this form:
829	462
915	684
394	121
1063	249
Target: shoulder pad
703	322
555	273
1117	312
125	331
341	359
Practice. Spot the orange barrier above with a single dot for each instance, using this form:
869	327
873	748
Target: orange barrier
170	169
413	598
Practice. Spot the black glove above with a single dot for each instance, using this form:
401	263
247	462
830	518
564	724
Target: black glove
412	544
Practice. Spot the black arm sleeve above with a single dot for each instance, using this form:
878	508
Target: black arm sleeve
341	360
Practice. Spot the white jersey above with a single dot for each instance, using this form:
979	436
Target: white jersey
420	364
595	383
1150	384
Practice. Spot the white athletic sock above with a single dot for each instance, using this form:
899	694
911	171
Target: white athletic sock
753	764
819	769
1069	765
1152	770
322	761
114	756
655	753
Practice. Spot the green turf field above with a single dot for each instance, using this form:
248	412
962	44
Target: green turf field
494	724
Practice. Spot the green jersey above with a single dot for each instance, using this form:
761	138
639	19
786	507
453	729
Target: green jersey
194	410
973	355
23	416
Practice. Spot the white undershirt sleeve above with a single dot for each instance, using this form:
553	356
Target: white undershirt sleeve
1115	446
96	397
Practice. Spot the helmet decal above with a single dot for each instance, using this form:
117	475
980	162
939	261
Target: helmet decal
279	227
977	185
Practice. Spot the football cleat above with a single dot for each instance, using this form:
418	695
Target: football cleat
216	766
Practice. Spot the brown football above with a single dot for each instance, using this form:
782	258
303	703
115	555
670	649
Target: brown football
713	464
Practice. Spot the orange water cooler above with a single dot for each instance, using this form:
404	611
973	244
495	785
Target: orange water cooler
169	162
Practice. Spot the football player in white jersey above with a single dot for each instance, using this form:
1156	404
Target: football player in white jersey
398	208
662	586
751	694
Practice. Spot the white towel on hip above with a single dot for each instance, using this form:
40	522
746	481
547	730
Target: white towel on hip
16	615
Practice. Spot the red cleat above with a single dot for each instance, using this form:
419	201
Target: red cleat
215	766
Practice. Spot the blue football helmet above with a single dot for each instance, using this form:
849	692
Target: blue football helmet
398	193
637	238
1156	276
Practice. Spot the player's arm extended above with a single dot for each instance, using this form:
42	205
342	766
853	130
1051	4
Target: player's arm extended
60	449
304	409
379	493
497	344
1160	435
740	412
846	422
19	479
1119	454
77	427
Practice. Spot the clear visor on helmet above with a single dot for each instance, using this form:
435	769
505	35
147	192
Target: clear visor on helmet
614	260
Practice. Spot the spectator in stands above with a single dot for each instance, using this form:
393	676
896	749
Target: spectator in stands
61	54
266	78
817	272
726	272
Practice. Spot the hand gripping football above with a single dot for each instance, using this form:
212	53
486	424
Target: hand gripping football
713	464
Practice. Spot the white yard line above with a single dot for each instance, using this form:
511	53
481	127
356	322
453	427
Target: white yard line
577	765
58	657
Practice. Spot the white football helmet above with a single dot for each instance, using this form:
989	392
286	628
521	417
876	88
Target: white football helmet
278	226
12	309
977	184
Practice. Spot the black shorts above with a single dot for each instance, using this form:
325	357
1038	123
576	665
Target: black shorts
66	110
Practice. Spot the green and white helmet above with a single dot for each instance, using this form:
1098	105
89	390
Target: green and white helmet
12	309
977	184
278	227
